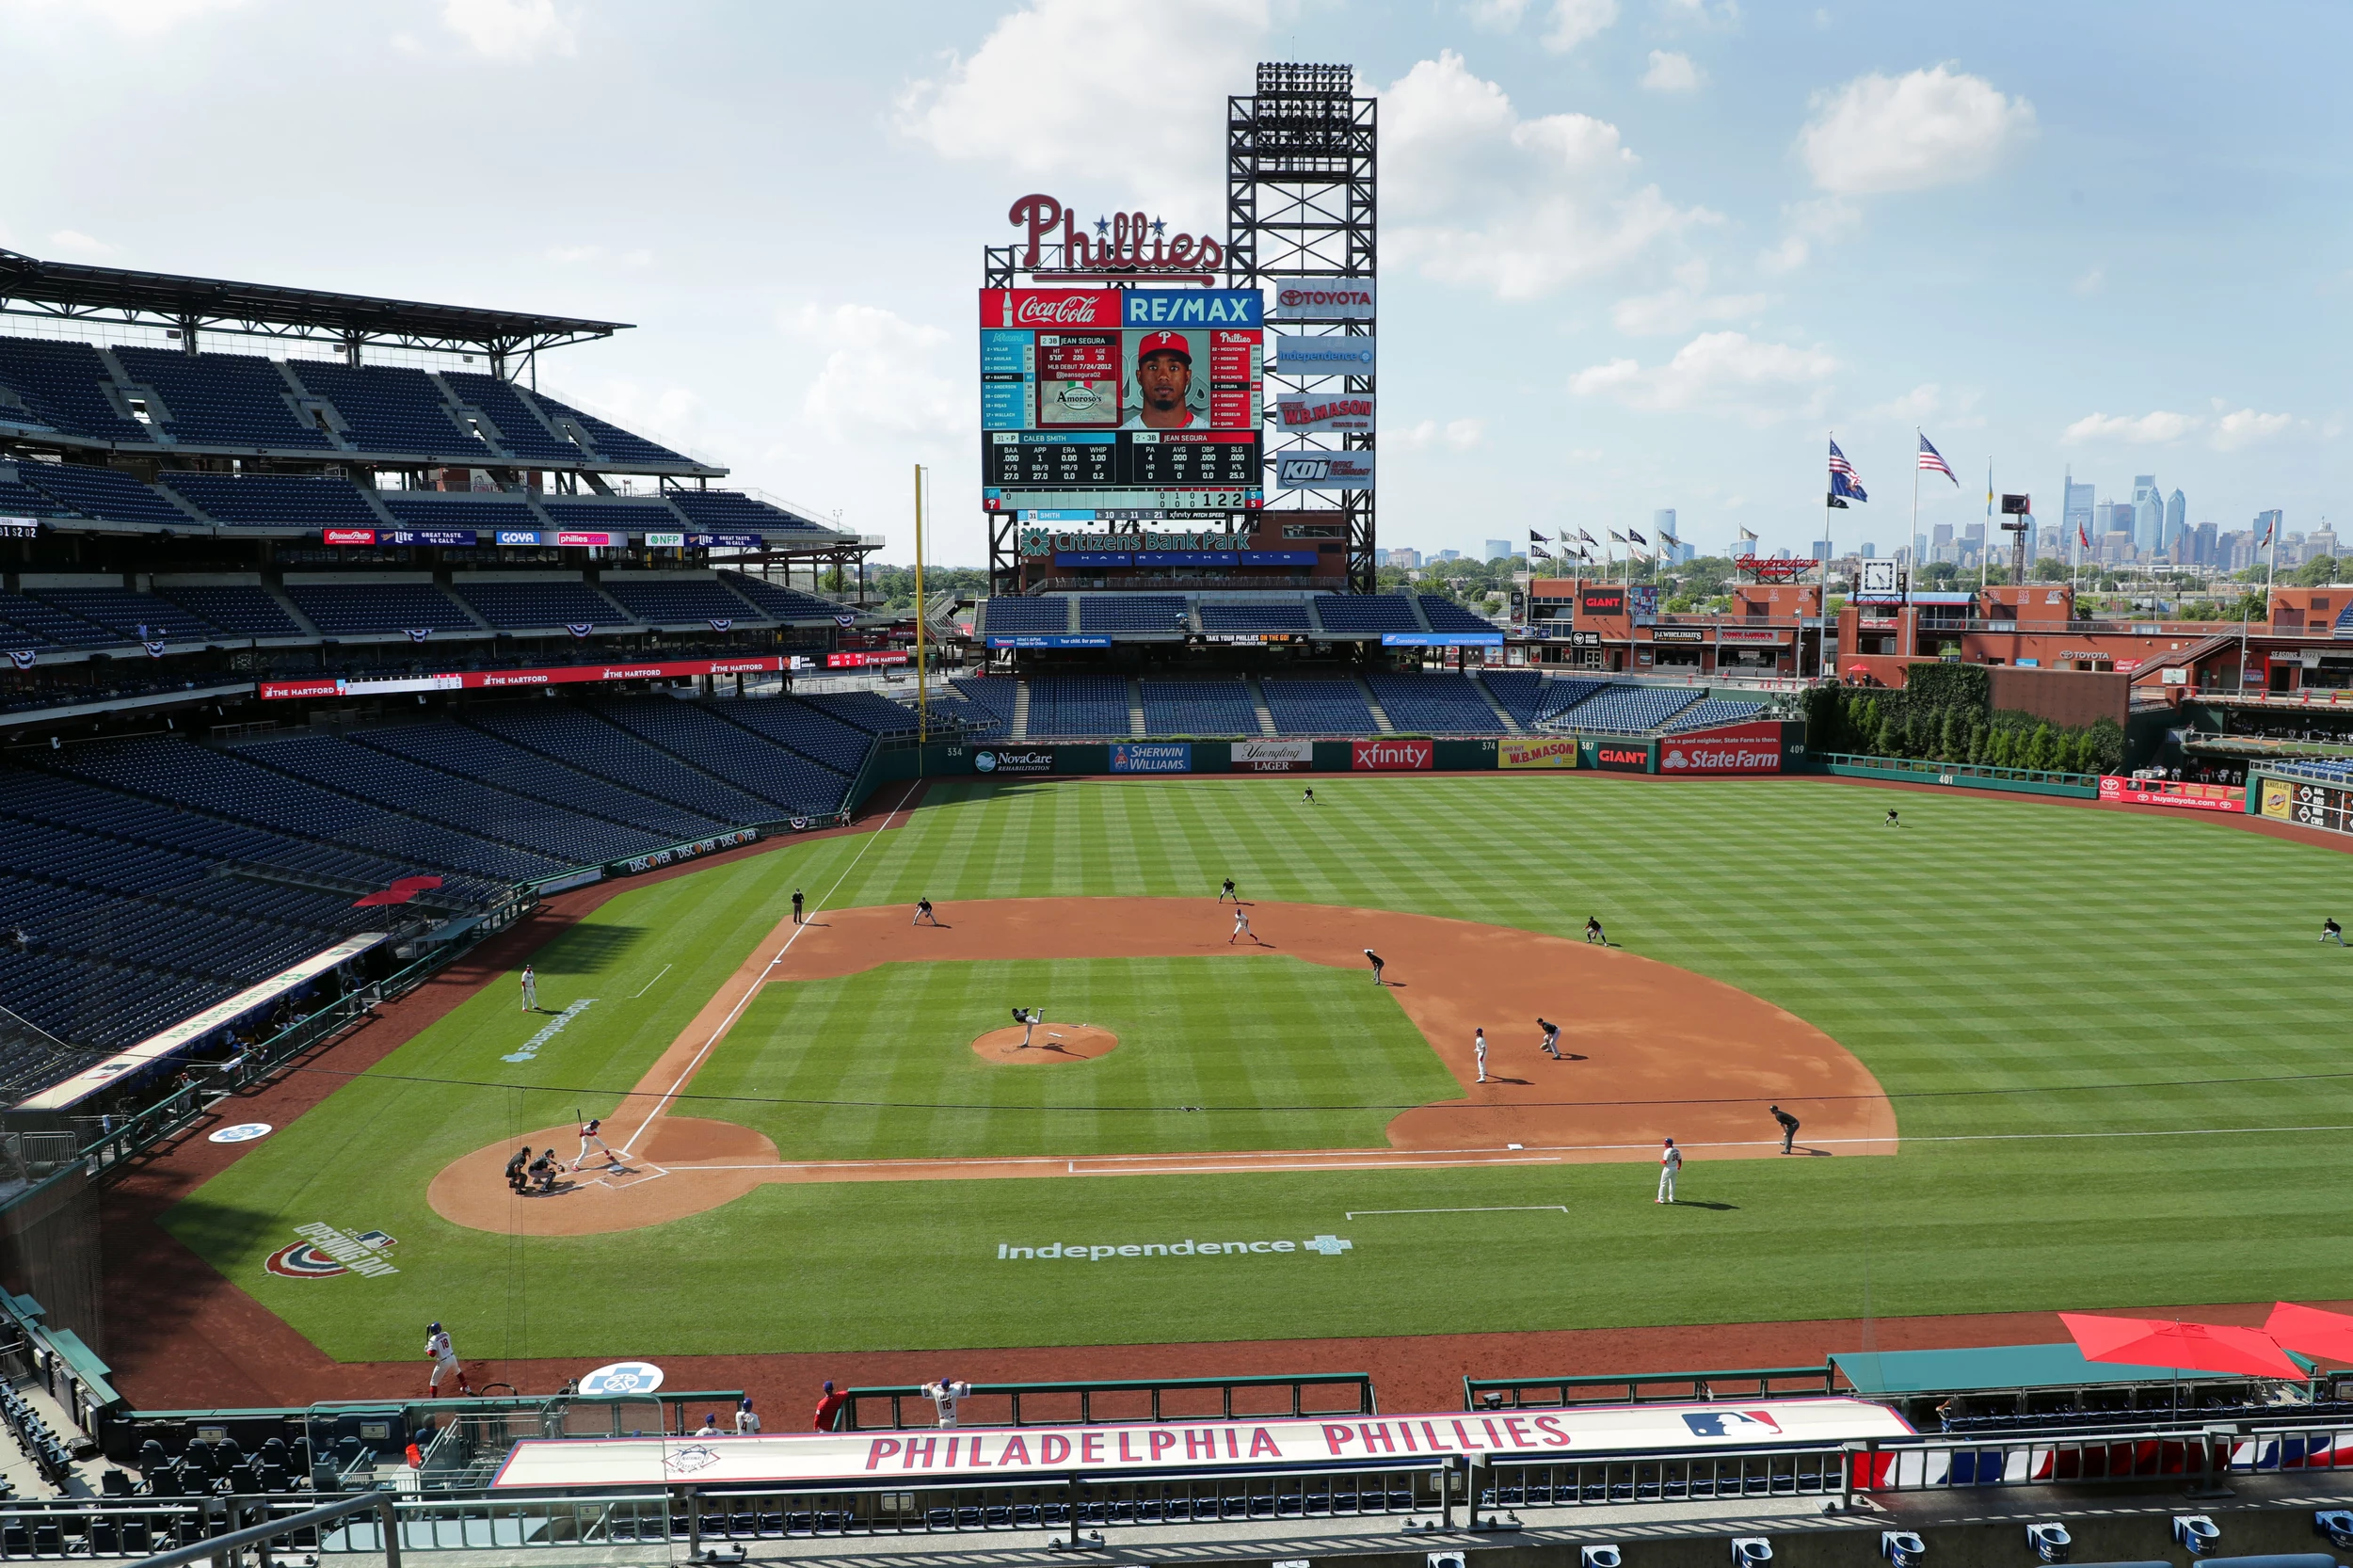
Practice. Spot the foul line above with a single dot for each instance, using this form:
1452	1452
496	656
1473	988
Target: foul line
753	990
650	983
1493	1208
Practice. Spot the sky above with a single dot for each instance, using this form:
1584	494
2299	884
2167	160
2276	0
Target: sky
1635	253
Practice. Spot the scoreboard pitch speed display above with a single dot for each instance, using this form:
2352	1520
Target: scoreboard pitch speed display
1121	399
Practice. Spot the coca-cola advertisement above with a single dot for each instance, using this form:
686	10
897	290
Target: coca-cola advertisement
1050	308
1734	748
1392	755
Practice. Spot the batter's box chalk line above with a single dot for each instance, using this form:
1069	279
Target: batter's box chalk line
634	1176
1496	1208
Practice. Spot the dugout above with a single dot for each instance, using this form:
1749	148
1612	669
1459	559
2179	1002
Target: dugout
1998	1385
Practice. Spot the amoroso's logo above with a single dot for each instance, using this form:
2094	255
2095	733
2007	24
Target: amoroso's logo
984	761
1079	398
326	1251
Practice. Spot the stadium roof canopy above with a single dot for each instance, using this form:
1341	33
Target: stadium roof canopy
62	290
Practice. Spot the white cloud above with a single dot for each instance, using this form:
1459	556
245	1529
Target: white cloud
1478	195
1820	220
1499	15
73	245
2149	429
883	375
1930	404
2244	427
1458	435
572	255
1720	372
637	258
2092	282
508	29
1018	100
1574	21
1682	307
139	17
1913	132
1699	13
1672	73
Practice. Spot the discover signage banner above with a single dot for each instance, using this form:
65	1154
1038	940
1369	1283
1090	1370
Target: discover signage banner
1390	756
1273	756
1736	748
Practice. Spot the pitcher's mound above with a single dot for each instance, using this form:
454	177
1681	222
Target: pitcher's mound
1048	1043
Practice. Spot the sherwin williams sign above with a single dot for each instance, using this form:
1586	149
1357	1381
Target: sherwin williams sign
1525	753
1163	757
1391	756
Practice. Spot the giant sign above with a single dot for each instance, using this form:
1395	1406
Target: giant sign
1119	243
1121	399
2311	805
1324	470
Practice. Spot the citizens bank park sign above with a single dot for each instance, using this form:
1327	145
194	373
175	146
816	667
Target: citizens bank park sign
1029	1452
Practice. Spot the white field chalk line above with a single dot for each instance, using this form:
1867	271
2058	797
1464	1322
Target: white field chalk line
753	990
1496	1208
650	983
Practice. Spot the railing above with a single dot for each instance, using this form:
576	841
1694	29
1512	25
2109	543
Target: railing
1128	1400
1954	772
1803	1472
1681	1387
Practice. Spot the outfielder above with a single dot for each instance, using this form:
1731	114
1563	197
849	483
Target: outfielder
590	1138
531	990
1670	1161
439	1351
2331	931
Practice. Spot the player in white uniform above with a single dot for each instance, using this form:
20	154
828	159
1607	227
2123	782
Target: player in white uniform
1670	1161
531	990
746	1418
590	1138
1478	1048
945	1393
1242	929
443	1356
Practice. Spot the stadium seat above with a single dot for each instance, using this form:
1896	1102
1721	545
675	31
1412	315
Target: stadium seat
1351	614
391	410
1632	710
360	609
1317	705
676	599
1433	704
61	382
516	427
238	400
275	500
1012	617
102	492
1079	705
1210	706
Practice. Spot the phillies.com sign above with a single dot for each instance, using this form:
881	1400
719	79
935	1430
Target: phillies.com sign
1391	756
1124	242
1737	748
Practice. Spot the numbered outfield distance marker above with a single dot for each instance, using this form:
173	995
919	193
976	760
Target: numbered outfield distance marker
243	1132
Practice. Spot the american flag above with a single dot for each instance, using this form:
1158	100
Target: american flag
1932	461
1842	476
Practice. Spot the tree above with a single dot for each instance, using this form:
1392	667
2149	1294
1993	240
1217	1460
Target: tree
2318	572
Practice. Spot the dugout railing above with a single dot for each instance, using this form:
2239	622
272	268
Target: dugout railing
1097	1401
1647	1388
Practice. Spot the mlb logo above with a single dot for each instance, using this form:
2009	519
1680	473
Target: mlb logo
1731	1423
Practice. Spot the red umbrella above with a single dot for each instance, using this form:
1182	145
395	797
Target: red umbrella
2182	1347
2311	1330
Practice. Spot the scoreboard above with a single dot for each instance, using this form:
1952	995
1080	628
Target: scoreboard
1122	400
2320	805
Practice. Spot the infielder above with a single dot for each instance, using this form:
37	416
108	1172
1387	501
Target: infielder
439	1351
531	990
1227	892
1478	1048
1241	928
1788	1129
1593	930
590	1138
1552	1038
1670	1161
924	912
945	1393
1374	959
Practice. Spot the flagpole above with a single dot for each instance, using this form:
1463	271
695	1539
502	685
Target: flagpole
1985	544
1916	500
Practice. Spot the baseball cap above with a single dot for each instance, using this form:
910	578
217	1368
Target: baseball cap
1164	343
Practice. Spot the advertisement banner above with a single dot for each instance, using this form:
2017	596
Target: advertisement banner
1515	751
455	536
1013	759
1734	748
1620	755
1391	756
495	680
1441	639
1153	756
2275	799
637	863
346	535
1750	635
2189	797
1678	635
666	542
726	541
1321	414
519	535
1048	639
574	536
1335	356
1600	601
1273	756
1324	299
1324	470
1050	308
856	660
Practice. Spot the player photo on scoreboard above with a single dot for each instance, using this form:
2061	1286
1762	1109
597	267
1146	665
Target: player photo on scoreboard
1165	380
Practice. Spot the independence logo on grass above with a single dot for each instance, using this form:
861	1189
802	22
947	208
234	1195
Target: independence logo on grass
1330	1246
553	1026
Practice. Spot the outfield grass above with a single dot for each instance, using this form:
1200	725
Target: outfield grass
2100	1031
1263	1031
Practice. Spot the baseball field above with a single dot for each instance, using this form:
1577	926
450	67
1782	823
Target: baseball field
2045	1056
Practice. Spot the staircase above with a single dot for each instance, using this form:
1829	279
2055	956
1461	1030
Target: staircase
1380	714
1510	725
1019	729
1258	701
1135	707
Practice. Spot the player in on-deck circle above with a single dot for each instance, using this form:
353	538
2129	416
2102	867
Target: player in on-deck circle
1226	891
1594	932
1552	1038
531	990
439	1351
1242	929
592	1137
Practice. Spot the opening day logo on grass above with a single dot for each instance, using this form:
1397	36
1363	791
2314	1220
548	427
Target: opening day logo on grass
325	1252
1330	1246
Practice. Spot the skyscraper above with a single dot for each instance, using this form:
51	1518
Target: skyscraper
2176	517
1498	549
2148	514
2076	505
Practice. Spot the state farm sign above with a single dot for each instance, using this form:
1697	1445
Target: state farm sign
1391	756
1736	748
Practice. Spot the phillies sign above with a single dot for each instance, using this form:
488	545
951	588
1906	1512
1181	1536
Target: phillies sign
1125	242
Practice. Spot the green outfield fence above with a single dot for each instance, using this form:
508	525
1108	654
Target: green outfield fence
1965	775
1646	1389
1104	1400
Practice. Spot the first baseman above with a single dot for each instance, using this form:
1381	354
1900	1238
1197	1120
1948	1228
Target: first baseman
1374	959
